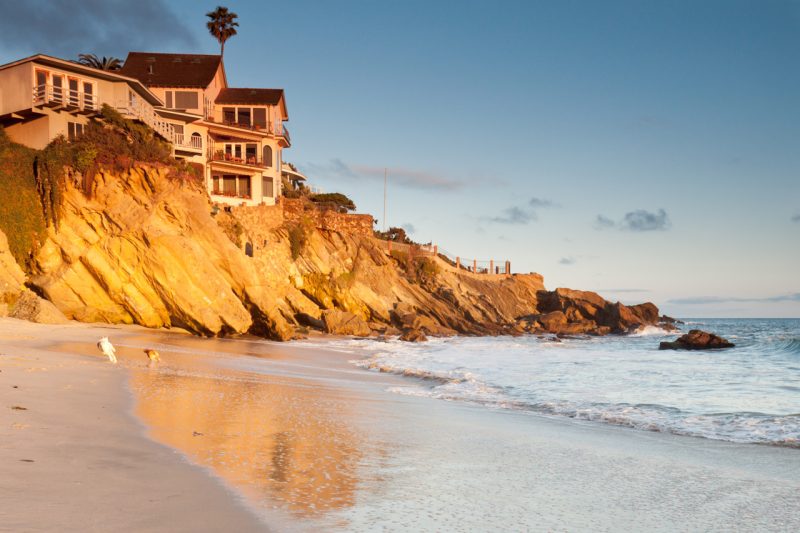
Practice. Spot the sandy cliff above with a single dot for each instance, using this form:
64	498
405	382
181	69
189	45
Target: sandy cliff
145	248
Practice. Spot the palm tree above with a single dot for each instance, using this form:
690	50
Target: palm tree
107	63
222	25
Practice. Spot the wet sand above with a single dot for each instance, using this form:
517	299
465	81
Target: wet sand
312	443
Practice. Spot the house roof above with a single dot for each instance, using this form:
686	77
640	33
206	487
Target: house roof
249	96
172	70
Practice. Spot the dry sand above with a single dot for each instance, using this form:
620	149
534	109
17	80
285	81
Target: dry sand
74	458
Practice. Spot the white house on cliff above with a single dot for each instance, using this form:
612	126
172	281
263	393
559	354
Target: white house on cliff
236	135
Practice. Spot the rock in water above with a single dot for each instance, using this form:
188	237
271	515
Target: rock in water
697	340
344	323
413	335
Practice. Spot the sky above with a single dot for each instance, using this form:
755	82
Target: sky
649	151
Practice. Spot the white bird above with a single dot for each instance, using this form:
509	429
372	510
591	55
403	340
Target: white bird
108	349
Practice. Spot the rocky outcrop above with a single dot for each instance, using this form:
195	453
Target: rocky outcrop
144	247
697	340
16	301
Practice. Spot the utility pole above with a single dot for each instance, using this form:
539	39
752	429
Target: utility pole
385	181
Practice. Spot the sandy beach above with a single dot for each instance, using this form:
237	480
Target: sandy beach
245	435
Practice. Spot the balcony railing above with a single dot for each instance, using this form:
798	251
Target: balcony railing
61	96
191	141
252	160
231	194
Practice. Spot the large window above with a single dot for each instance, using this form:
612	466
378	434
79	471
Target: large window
260	117
74	130
244	186
244	117
266	188
229	115
186	100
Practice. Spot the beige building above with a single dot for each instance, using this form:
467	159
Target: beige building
236	135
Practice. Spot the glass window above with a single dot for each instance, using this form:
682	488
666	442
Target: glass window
251	153
244	116
58	88
88	95
229	115
73	92
186	100
244	186
260	117
267	156
266	188
229	185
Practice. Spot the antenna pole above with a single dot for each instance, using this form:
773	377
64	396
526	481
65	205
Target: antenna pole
385	181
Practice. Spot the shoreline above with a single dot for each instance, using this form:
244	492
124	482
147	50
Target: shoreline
309	441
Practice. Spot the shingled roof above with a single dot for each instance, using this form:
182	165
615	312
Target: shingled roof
171	70
249	96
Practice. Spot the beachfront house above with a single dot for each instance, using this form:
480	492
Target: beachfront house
235	135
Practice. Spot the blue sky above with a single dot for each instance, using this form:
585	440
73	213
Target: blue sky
646	150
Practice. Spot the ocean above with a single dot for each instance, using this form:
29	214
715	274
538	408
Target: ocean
747	394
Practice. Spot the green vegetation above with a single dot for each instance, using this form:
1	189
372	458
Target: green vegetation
335	200
422	270
21	216
33	182
394	235
299	234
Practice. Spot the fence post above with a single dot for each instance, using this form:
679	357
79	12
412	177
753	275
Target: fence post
474	266
436	250
491	266
458	263
508	267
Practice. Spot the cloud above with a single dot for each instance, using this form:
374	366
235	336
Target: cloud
409	227
567	261
103	27
403	177
639	220
796	218
523	214
602	222
703	300
514	215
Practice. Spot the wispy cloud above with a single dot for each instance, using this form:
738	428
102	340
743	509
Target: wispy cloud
703	300
567	261
409	227
403	177
103	27
639	220
522	214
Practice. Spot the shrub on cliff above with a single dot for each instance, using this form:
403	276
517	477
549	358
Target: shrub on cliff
334	200
21	217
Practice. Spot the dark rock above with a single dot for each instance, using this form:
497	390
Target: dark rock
413	335
304	319
697	340
553	321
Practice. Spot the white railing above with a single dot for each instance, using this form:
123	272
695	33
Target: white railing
61	96
137	108
192	141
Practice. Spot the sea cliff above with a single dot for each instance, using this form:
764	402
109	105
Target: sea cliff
142	246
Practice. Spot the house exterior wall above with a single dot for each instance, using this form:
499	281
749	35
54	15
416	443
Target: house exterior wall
16	86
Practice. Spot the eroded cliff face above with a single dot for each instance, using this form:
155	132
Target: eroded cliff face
146	249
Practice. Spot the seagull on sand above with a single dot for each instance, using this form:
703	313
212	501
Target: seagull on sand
152	355
105	346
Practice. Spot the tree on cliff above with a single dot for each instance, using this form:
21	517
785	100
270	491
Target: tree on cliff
222	25
107	63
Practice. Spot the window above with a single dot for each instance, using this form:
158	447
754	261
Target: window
216	182
72	97
74	130
41	83
229	115
58	88
197	140
229	185
88	95
251	153
169	99
178	128
186	100
244	116
260	117
266	188
244	186
267	156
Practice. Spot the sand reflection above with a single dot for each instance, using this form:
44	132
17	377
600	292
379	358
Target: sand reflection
286	441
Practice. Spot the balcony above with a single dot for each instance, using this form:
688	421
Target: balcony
68	99
188	142
251	161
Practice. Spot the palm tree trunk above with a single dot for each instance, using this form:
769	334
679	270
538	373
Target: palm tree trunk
222	49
